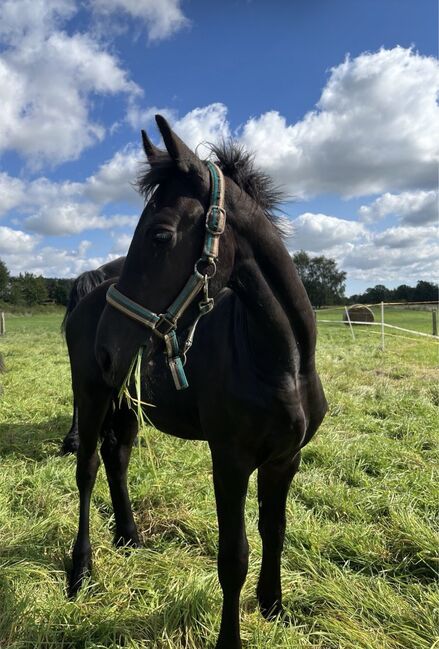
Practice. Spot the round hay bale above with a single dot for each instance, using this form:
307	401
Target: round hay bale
359	313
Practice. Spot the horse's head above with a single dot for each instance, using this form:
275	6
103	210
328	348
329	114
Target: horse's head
166	245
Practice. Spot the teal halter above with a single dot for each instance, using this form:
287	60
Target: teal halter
164	325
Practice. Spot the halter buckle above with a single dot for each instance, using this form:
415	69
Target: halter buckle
217	230
164	325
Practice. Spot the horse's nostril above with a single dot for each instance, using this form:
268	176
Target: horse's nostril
104	360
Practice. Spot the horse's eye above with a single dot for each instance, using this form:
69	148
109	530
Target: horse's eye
162	236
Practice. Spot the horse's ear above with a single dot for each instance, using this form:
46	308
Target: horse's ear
186	160
152	152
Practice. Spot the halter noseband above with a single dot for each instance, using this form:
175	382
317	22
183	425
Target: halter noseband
164	325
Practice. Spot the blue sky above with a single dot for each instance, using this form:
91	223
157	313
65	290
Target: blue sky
336	98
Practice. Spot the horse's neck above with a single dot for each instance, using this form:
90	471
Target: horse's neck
262	322
279	309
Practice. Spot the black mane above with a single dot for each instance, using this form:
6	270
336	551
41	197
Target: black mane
236	163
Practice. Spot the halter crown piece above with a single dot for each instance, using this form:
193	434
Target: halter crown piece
164	325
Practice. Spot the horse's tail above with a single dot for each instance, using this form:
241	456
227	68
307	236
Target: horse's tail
82	285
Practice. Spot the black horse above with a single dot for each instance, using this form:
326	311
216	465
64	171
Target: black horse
254	394
82	286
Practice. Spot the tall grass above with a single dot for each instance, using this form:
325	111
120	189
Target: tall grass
360	560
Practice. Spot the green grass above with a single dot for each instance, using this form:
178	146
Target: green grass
417	320
360	560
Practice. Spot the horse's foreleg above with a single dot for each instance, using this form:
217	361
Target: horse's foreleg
230	481
274	480
116	452
91	416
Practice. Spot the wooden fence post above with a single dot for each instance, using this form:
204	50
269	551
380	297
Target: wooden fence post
434	314
2	324
382	326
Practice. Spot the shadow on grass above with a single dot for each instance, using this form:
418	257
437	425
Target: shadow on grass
33	441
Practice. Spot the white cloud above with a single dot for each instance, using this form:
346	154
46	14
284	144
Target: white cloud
16	241
47	78
52	262
203	126
121	244
114	179
418	207
72	218
375	129
11	192
161	17
58	208
318	232
397	254
198	128
403	237
139	118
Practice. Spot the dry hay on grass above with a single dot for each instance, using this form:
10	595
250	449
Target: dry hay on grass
358	313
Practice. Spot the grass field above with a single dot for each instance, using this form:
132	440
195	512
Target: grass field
360	559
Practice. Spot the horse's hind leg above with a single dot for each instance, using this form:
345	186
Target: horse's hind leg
91	413
116	452
274	479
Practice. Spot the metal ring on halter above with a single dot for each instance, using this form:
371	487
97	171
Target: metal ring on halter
210	264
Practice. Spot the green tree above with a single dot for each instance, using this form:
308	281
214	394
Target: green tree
28	289
59	289
403	293
323	281
378	293
4	280
425	292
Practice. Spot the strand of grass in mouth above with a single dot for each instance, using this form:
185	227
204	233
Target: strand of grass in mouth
135	403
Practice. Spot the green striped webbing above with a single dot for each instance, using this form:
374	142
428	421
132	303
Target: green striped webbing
165	324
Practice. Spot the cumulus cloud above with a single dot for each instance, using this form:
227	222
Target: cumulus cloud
73	218
138	117
121	244
114	179
11	192
317	232
374	129
16	241
398	254
203	126
53	262
403	237
59	208
47	78
198	128
162	18
418	207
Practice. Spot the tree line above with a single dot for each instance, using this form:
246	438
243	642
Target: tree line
324	282
422	292
29	290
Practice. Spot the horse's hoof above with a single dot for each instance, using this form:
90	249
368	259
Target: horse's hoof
77	579
272	612
80	572
127	540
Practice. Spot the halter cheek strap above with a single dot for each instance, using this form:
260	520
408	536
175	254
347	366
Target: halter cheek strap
164	325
